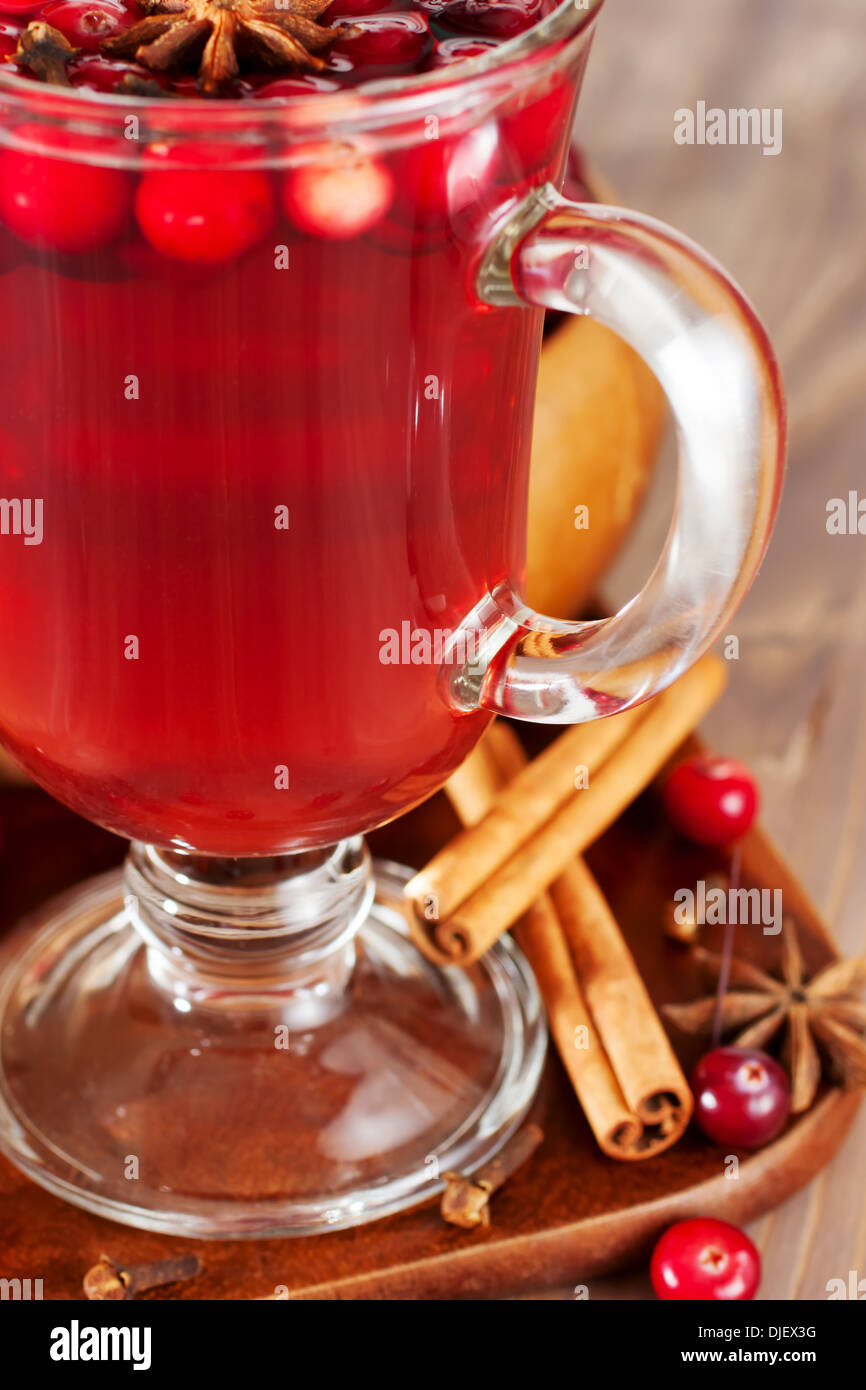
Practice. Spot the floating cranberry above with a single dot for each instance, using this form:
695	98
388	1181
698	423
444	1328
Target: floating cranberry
9	36
203	215
387	41
338	8
106	74
742	1097
85	25
711	800
300	86
449	51
63	204
338	194
705	1260
20	7
441	181
503	20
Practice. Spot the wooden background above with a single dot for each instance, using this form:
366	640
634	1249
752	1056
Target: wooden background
791	231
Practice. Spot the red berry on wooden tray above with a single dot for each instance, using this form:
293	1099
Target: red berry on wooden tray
705	1259
711	800
742	1097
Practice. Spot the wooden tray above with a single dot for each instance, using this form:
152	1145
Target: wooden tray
568	1215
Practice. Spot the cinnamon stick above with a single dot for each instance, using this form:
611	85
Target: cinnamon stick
471	790
543	787
635	1041
626	1076
523	853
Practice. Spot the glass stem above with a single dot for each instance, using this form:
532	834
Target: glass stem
251	933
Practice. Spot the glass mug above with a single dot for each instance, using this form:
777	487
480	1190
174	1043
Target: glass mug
269	597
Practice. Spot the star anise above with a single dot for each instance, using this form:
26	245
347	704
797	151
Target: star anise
45	51
279	33
825	1019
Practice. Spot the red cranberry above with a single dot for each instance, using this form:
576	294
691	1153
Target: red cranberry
503	20
203	215
338	194
449	51
299	86
742	1097
704	1259
86	24
711	800
338	8
387	41
9	36
20	7
441	181
106	74
62	204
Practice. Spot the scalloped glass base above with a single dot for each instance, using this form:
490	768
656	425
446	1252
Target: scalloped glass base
237	1114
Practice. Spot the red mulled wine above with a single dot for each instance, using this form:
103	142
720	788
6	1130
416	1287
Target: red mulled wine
281	447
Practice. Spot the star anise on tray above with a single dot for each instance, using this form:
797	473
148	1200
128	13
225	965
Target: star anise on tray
45	52
824	1018
277	33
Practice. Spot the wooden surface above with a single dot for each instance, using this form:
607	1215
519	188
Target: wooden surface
569	1215
790	229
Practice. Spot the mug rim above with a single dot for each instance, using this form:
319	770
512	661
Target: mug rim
368	106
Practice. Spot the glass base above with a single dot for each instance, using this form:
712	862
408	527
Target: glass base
132	1089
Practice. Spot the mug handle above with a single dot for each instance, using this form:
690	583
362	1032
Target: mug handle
700	336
